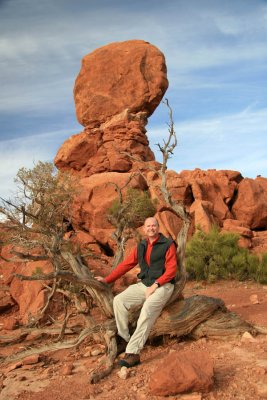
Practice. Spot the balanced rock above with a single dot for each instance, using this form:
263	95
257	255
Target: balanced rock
118	88
120	76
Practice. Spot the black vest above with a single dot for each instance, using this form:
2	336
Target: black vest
149	274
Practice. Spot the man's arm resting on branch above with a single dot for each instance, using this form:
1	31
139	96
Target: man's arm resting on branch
121	269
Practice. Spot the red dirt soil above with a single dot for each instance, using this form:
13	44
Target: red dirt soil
240	366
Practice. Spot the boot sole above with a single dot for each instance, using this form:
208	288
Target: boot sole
124	363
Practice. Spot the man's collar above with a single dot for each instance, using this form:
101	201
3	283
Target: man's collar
155	240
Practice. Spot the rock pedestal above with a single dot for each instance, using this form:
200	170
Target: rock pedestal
118	88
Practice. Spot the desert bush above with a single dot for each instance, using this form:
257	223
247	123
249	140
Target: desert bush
215	255
135	208
262	269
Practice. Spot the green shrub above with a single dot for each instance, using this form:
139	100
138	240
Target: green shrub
135	208
38	271
262	269
214	255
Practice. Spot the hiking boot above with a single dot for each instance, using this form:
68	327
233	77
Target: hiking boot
130	360
121	345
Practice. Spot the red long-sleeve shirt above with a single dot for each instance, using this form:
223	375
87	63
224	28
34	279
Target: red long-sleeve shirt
131	261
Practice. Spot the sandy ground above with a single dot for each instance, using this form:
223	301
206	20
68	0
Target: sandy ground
240	366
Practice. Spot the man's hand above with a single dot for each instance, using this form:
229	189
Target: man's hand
151	289
100	279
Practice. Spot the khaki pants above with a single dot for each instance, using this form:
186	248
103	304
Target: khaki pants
151	309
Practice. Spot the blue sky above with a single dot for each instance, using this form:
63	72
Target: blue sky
216	54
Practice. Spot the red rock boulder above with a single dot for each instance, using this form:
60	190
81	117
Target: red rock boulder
202	213
29	295
259	242
179	187
250	205
183	371
123	75
98	192
239	227
217	187
104	149
118	88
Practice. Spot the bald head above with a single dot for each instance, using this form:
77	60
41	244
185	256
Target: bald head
151	220
151	228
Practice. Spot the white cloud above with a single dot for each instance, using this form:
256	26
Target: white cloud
43	96
40	55
18	153
229	25
206	43
12	48
247	122
235	141
200	56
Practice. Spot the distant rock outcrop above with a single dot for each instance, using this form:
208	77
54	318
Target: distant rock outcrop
250	205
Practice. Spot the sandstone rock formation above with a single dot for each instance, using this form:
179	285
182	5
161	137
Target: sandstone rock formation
216	187
118	88
96	197
211	197
251	203
98	150
30	296
121	76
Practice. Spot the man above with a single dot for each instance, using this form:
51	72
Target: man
157	259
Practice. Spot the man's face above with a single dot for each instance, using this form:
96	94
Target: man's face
151	228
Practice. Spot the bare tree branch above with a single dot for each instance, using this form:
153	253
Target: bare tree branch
66	275
167	150
28	256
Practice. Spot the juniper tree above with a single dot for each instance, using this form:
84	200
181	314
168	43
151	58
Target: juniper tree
36	221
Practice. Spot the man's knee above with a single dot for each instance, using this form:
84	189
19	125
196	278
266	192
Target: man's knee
117	301
150	309
147	311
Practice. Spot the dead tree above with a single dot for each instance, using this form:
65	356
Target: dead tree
167	150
